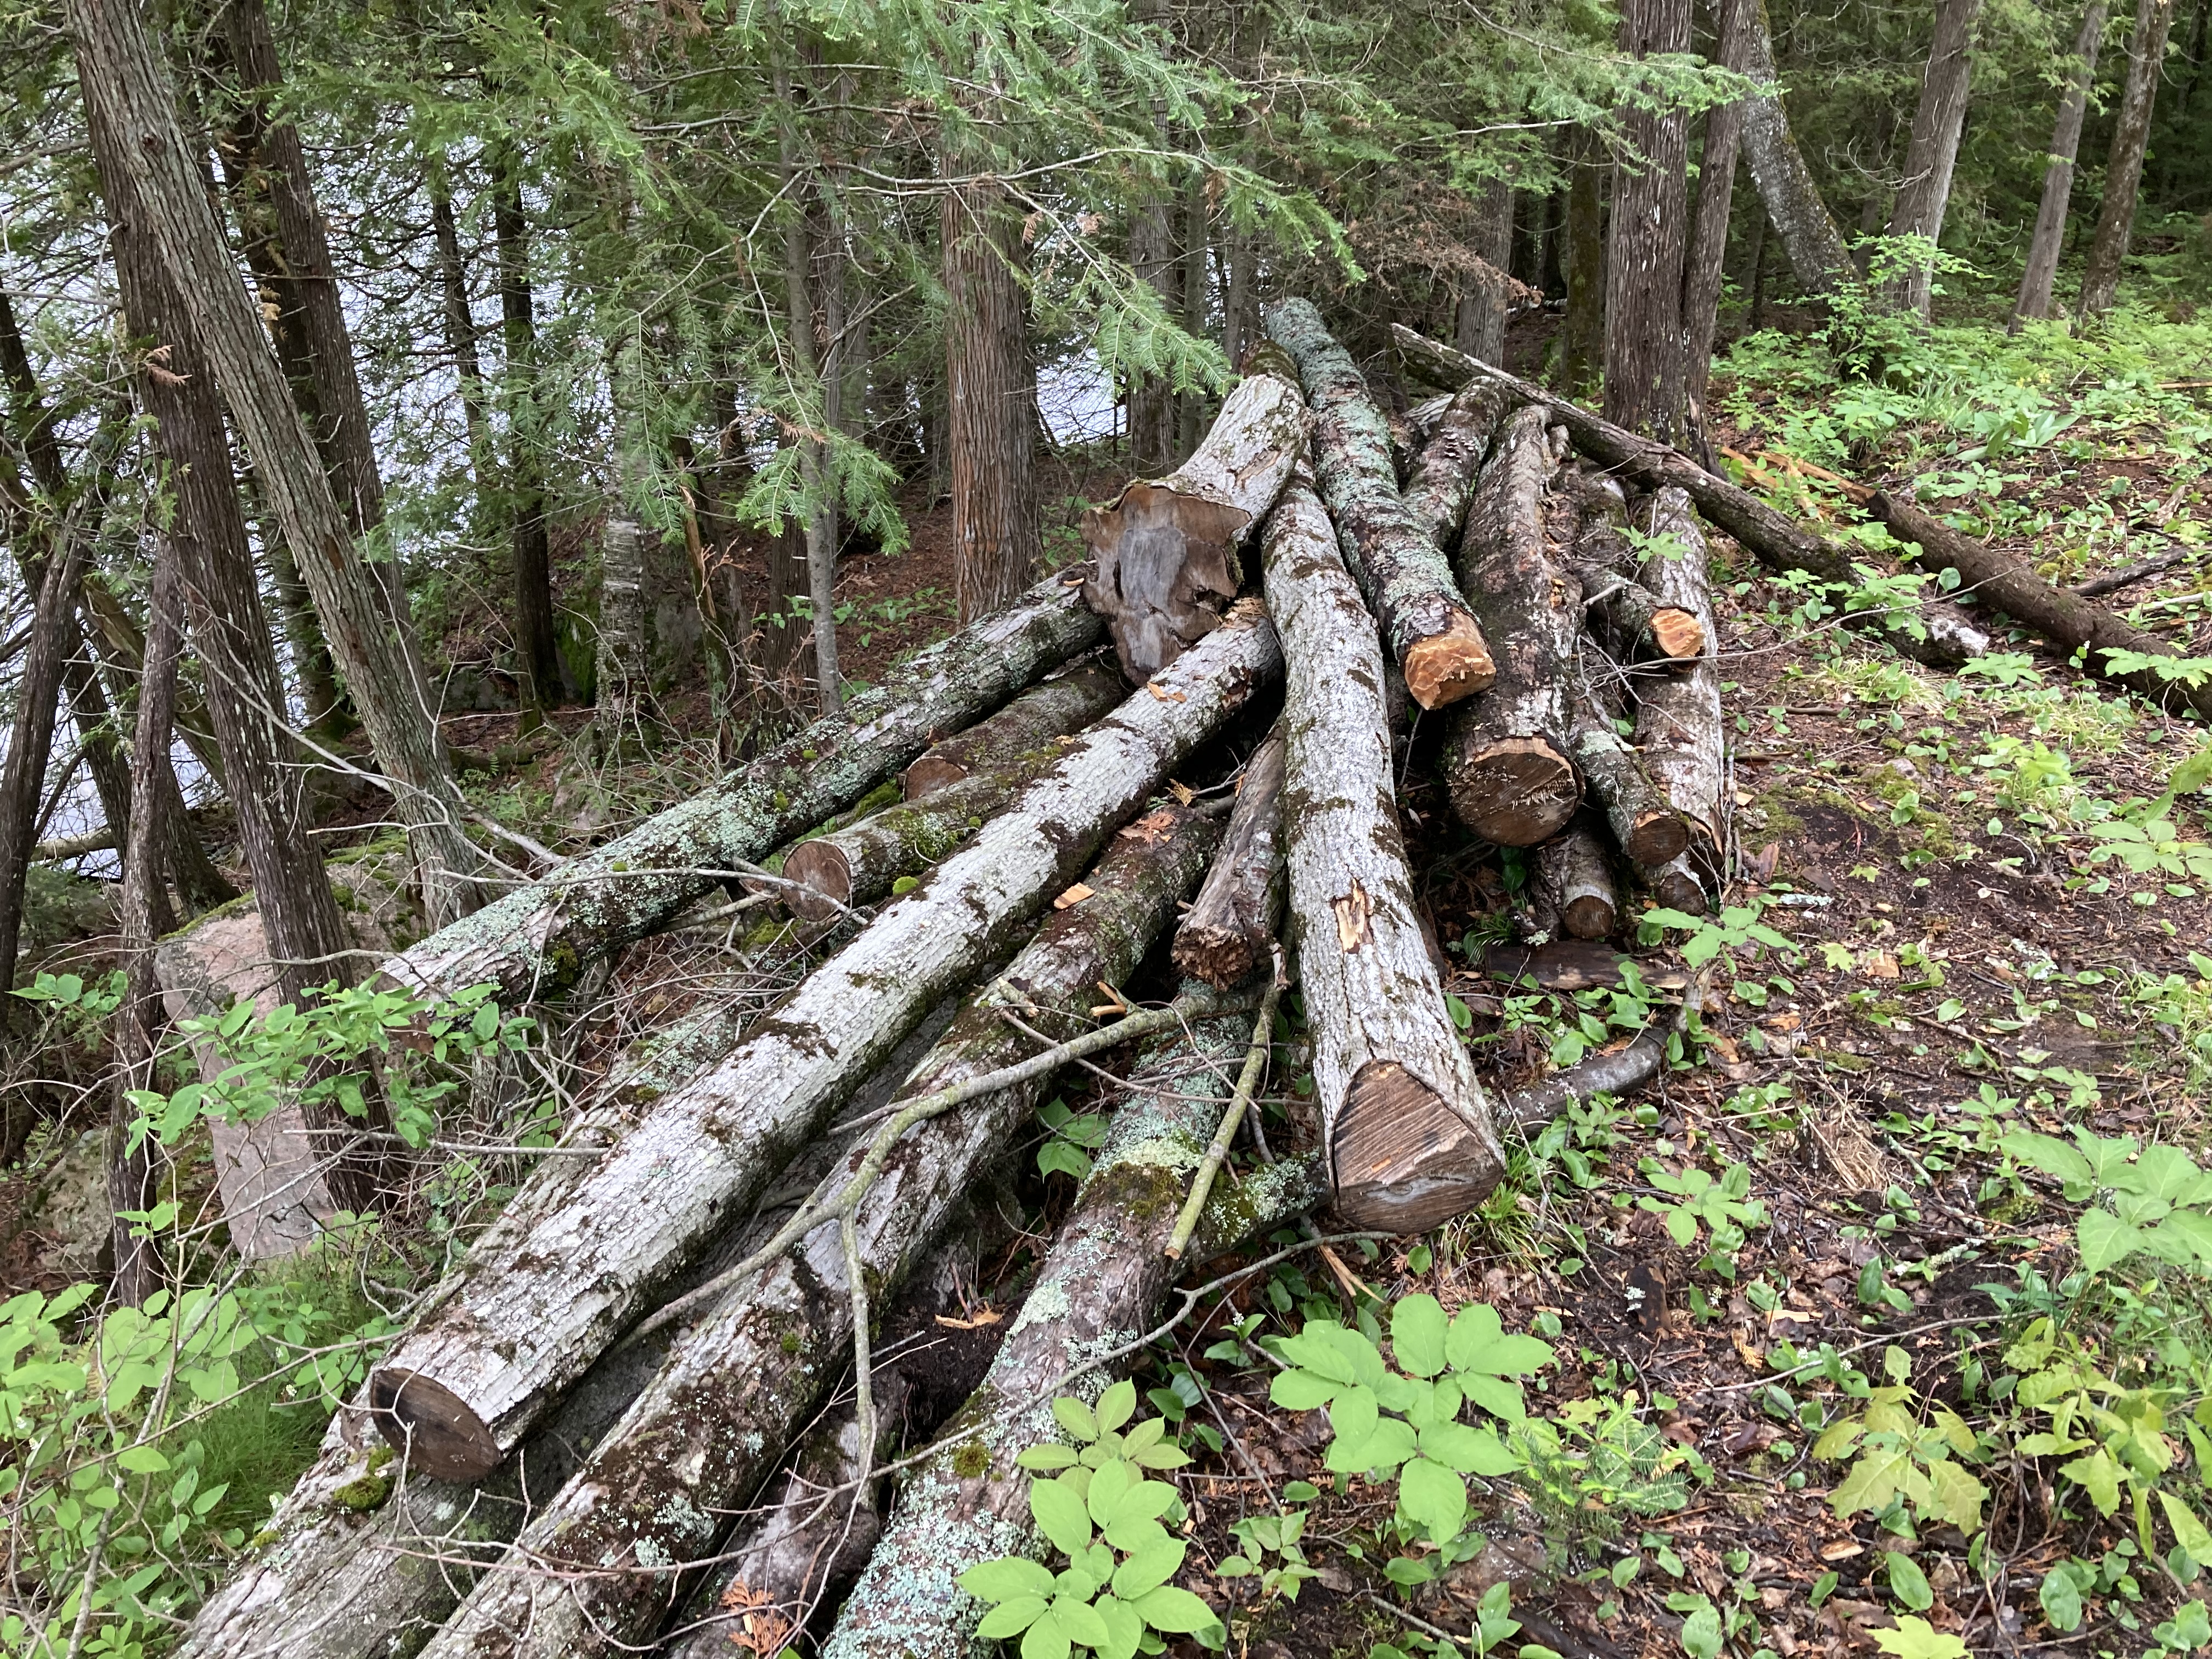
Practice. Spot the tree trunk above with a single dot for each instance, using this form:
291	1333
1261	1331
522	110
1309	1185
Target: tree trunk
1708	254
1644	368
1152	399
1240	307
620	671
744	1375
536	941
1576	878
993	389
1230	928
1485	296
1427	625
1581	342
860	863
2116	218
1945	635
1644	822
1678	715
1165	552
1190	411
30	743
2040	277
537	659
1060	705
814	282
128	95
122	643
1443	479
1404	1126
460	323
1809	234
1934	152
1511	777
570	1262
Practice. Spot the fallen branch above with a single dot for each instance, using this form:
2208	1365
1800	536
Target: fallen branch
1216	1150
1614	1073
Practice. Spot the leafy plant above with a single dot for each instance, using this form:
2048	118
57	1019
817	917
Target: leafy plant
1070	1139
1262	1535
1724	1206
1736	927
1905	1448
2159	1201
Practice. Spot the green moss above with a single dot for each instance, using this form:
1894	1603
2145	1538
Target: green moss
971	1459
790	1343
262	1539
379	1458
563	965
363	1495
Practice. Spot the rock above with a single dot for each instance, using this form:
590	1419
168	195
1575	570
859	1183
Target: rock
71	1209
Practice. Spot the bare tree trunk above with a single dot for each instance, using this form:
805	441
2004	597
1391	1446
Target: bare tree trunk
543	684
1934	152
2041	276
2116	219
994	399
1644	369
1708	252
1582	342
1809	233
53	578
460	322
620	669
823	533
1485	296
1152	400
1190	416
1240	306
1230	927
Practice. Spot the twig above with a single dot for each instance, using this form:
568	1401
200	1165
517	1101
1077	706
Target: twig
864	1407
1248	1081
2133	573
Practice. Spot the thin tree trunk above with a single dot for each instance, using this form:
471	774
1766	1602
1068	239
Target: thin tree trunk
1643	365
2038	281
1581	342
30	743
1057	706
2116	219
1709	235
1809	233
1485	296
993	389
460	322
1934	152
1240	309
823	532
1152	400
543	680
1190	418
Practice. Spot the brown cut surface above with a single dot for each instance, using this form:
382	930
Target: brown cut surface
1404	1160
828	875
1447	666
1520	791
1678	634
440	1437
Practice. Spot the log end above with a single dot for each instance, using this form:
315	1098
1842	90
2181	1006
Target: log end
1657	837
825	875
1223	957
1590	916
1676	886
1444	667
1405	1161
1679	636
431	1426
1515	792
1166	563
929	774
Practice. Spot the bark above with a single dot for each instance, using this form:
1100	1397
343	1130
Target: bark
460	321
1933	152
744	1375
1191	405
1230	928
1945	635
2040	277
1643	365
1507	761
1165	551
824	531
621	668
1708	251
122	643
2116	217
993	389
1678	716
1626	617
1676	884
1581	342
1644	822
1429	630
1444	474
1240	307
2065	621
1615	1073
538	940
1576	879
860	863
1406	1129
1151	397
1485	296
148	163
1046	711
536	658
1104	1281
570	1261
1809	233
30	742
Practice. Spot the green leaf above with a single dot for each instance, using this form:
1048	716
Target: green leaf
1908	1584
1117	1404
1048	1458
142	1460
1434	1497
1125	1627
1915	1638
2048	1154
2097	1474
1353	1415
2188	1532
1047	1639
1872	1483
1072	1415
1003	1579
1701	1632
1959	1495
2062	1600
1149	1567
1302	1390
1494	1394
1478	1343
1173	1610
1109	1483
1060	1516
1081	1621
1469	1450
1391	1444
2105	1239
1417	1334
1682	1226
1012	1617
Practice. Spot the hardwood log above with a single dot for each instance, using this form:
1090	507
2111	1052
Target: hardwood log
1934	631
745	1376
572	1260
1450	461
861	862
1165	550
1576	878
1103	1283
1507	759
1043	712
1406	1130
1676	884
2070	622
1644	821
1230	926
538	939
1431	634
1679	733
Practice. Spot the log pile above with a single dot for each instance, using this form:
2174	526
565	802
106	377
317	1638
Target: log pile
553	1458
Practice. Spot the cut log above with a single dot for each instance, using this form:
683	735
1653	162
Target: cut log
1676	884
1577	877
1431	634
1507	761
1450	461
1165	550
1933	632
536	940
1630	619
1406	1130
861	862
571	1261
1103	1283
1678	716
1644	822
744	1377
1045	711
1231	927
2068	621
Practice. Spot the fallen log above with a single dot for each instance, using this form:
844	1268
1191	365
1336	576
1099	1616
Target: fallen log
746	1370
1405	1128
570	1263
1576	879
1431	634
1045	711
1933	631
1507	764
861	862
1103	1282
1677	883
1644	822
1678	716
1450	461
1631	621
1165	551
538	939
2068	622
1230	927
1615	1073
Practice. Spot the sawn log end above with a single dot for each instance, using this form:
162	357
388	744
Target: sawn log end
1445	667
1405	1161
431	1426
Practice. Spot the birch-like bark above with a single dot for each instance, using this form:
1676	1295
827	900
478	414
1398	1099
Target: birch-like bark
1810	236
1228	930
2040	277
1043	712
1679	733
